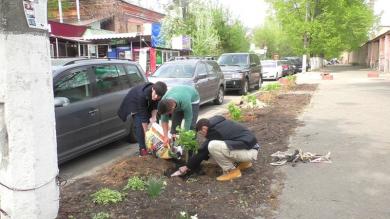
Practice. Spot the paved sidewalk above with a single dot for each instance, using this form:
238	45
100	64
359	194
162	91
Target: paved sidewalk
350	117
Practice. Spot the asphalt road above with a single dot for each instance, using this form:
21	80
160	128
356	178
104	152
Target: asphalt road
90	163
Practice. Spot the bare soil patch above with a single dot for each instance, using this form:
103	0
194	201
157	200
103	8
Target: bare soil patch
254	194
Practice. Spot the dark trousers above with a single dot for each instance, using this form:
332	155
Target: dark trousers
139	130
177	118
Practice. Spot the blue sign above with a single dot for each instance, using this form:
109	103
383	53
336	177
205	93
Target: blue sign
157	38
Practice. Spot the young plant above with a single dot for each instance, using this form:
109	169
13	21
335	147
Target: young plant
234	112
251	100
251	103
101	215
271	87
135	183
185	215
187	139
154	186
291	81
106	196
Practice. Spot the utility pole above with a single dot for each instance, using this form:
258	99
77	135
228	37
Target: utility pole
305	41
28	152
60	11
78	10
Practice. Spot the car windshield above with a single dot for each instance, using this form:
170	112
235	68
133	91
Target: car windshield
268	64
234	60
175	70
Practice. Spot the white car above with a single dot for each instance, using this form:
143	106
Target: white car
272	69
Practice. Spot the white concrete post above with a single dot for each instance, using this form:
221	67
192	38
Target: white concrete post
78	10
387	53
28	153
60	11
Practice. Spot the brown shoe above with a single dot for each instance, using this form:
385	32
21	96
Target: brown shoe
244	165
230	175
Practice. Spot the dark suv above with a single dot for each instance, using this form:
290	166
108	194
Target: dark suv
205	75
242	71
87	94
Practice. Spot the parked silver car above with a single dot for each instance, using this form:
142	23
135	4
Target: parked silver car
205	75
87	95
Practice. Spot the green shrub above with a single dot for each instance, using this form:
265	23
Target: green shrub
271	87
135	183
154	186
101	215
106	196
234	112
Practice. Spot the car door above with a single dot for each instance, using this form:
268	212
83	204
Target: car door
112	86
255	69
201	81
213	79
76	122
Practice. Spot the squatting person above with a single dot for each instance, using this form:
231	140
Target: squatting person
231	145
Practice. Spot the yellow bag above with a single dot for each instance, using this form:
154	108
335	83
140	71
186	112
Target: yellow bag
154	142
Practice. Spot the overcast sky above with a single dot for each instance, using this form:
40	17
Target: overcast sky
383	6
250	12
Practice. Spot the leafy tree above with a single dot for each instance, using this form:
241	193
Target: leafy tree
209	25
52	7
330	26
272	36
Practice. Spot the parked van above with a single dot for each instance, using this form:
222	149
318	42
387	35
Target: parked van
87	95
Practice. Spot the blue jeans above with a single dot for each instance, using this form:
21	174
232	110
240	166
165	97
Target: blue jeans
139	130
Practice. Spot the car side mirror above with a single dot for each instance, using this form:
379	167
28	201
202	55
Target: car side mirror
61	101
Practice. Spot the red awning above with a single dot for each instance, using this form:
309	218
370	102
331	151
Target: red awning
66	30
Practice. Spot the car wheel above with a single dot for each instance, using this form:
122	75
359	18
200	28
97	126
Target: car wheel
259	83
244	89
220	96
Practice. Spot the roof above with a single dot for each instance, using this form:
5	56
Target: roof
111	36
66	30
143	8
93	32
381	35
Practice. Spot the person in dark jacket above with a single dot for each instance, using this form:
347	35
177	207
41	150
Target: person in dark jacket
141	103
228	142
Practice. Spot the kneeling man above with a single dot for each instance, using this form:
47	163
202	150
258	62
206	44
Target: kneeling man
231	145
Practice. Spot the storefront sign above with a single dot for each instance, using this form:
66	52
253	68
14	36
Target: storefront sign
181	42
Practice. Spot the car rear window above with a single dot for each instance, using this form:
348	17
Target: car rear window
234	60
175	70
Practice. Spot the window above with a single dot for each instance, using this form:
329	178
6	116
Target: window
201	69
107	79
123	76
75	86
134	74
212	68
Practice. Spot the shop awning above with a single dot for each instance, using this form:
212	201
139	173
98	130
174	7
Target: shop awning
111	36
66	30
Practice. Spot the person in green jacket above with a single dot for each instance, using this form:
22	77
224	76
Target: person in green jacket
178	103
